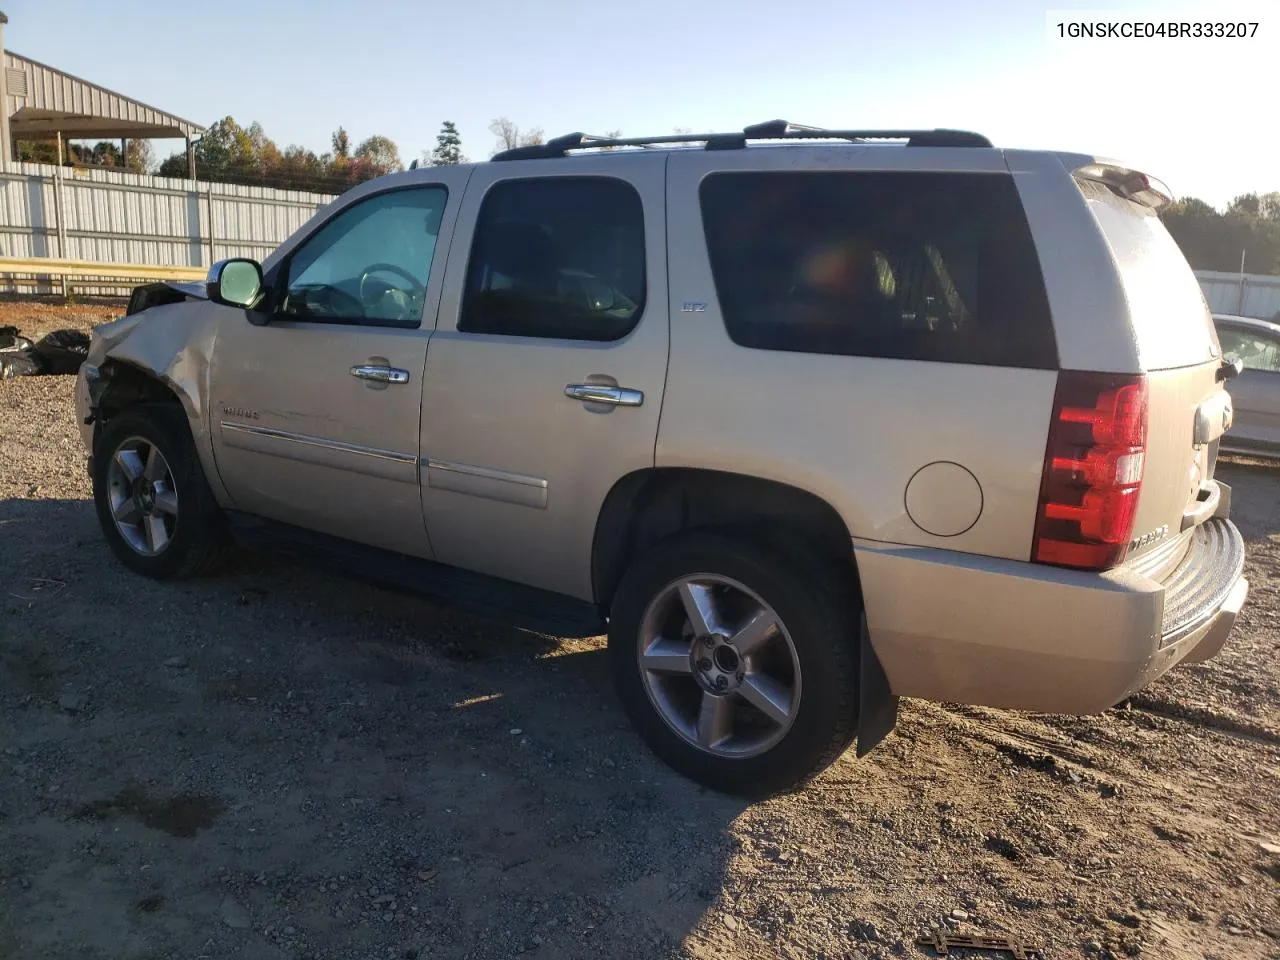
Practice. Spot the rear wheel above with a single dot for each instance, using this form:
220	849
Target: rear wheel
737	663
153	503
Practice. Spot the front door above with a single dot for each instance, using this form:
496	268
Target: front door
315	412
545	376
1255	394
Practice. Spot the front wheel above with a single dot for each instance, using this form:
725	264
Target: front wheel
737	663
154	506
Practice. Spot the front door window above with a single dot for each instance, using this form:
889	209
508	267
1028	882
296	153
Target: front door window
368	265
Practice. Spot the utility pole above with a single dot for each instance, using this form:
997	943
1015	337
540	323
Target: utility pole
1240	289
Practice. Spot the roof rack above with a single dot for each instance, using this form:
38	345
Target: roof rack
769	130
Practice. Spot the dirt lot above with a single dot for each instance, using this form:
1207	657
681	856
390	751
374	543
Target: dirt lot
279	763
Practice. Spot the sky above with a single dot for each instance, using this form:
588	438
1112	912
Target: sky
1197	114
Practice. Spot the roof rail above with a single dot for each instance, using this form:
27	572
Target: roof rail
769	130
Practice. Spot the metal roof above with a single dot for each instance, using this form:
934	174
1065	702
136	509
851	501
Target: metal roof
42	102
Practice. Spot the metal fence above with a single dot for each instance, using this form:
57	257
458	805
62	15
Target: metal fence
1242	294
114	217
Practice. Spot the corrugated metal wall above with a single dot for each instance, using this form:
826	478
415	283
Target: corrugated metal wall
1247	295
105	215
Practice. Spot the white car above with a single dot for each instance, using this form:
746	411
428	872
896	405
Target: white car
1256	391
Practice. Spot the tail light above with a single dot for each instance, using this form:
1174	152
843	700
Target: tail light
1092	470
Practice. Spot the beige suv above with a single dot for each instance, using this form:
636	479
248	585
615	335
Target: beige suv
806	419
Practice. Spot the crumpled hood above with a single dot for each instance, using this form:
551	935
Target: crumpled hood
192	288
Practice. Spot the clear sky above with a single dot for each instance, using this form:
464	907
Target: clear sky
1199	114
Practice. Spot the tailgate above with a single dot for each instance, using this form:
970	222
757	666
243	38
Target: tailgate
1188	413
1177	348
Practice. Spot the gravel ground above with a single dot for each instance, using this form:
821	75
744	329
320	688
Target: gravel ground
276	763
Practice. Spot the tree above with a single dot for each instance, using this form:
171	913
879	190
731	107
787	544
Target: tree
138	156
1245	205
341	144
508	133
381	153
448	149
1215	241
230	153
510	137
1193	207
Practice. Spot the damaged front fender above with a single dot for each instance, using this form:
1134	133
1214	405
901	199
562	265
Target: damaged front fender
165	347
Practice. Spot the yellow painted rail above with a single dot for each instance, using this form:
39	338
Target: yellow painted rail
50	267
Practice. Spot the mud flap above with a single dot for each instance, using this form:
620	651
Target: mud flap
877	704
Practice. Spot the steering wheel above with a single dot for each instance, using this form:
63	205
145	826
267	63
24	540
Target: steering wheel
416	289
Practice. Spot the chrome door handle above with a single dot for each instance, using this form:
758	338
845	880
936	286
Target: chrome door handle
380	374
603	393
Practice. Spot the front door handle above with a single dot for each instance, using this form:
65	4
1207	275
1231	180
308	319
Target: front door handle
380	374
603	393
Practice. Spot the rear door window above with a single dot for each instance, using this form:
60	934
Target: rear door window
909	266
560	257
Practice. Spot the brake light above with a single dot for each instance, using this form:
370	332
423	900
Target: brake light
1093	470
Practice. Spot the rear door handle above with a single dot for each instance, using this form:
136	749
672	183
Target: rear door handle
380	374
603	393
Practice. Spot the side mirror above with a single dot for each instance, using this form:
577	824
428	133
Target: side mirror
235	283
600	296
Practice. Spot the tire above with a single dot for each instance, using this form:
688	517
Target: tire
809	663
193	537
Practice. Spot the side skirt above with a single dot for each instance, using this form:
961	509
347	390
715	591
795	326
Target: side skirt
513	604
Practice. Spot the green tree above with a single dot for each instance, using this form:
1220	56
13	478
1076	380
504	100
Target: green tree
448	149
381	153
1245	205
105	154
1216	241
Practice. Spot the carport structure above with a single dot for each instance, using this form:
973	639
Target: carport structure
44	103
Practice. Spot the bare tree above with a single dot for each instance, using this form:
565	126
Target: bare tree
510	137
508	133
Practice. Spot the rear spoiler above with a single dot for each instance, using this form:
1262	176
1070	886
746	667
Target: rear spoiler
1127	183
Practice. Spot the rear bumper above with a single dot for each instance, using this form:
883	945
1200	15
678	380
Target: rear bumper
1001	633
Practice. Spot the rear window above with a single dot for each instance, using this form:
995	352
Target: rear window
1171	321
910	266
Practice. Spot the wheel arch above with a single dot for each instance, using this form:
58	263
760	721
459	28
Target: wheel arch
124	382
649	505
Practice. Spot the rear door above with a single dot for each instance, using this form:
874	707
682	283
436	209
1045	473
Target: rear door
1256	392
545	377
